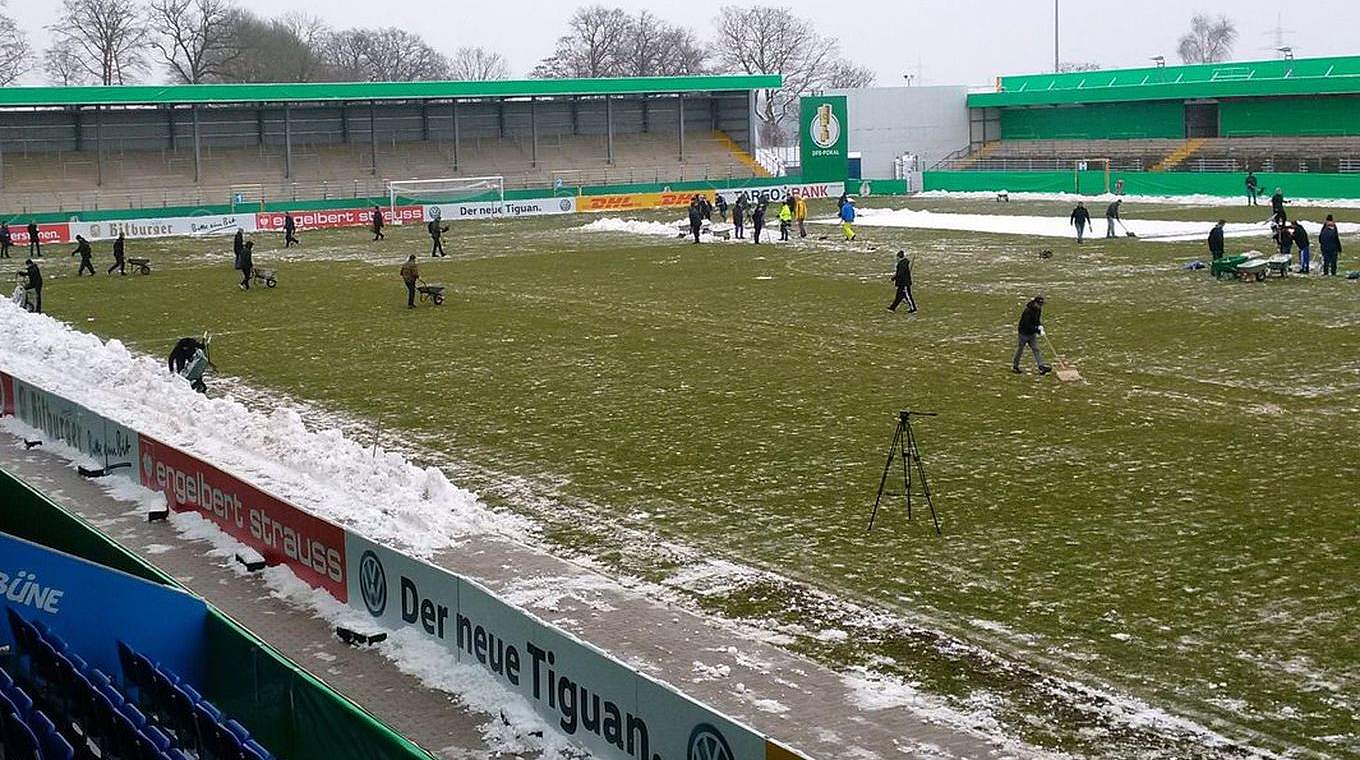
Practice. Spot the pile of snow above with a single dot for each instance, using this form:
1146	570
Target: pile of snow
1170	200
1060	226
633	227
379	494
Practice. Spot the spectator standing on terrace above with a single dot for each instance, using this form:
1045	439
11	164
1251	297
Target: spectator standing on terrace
720	203
1080	219
34	240
1112	216
83	251
1216	240
785	218
758	219
902	280
1031	327
696	217
1329	240
6	240
1301	240
800	214
410	274
378	224
1277	202
290	231
118	253
33	277
1253	188
739	217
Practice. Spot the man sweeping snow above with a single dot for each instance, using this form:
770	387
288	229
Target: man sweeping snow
1111	217
1031	327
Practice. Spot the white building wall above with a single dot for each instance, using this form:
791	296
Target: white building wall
886	122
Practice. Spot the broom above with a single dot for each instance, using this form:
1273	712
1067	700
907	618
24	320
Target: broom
1065	372
1127	232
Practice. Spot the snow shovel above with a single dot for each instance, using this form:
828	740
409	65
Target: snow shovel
1127	233
1065	372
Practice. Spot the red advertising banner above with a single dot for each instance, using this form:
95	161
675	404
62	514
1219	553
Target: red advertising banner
6	395
282	533
272	221
47	233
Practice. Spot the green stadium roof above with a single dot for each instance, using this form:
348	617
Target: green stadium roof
309	92
1305	76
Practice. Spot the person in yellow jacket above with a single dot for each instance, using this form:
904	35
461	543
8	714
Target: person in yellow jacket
785	219
800	214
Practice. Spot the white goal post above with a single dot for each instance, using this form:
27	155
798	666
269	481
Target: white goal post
451	190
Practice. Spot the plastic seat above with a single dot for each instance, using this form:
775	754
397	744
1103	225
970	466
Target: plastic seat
19	741
253	751
157	737
236	728
133	714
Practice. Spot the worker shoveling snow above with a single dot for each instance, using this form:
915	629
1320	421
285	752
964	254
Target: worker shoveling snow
1060	226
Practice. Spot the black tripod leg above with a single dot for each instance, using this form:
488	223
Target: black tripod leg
908	445
887	466
925	485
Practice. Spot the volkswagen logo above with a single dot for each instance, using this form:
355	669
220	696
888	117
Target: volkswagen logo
564	204
707	743
373	583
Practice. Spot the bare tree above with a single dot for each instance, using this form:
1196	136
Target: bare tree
16	57
845	75
1209	40
275	50
475	64
761	40
592	47
396	55
345	55
106	36
63	67
195	38
652	47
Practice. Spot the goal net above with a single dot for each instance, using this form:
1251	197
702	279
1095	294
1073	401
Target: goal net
437	191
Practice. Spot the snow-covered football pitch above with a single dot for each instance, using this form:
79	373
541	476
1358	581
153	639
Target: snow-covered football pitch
1159	562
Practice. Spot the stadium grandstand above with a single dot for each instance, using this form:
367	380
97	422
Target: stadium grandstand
146	146
1280	117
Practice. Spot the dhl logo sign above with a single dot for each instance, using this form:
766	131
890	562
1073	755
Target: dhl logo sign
633	201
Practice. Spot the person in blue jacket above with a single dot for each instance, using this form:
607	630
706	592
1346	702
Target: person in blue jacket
848	219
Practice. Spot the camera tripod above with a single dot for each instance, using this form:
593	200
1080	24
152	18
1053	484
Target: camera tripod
904	446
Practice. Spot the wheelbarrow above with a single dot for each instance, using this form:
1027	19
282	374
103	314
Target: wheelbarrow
432	292
269	277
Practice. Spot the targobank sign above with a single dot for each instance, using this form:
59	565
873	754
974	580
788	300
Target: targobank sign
589	696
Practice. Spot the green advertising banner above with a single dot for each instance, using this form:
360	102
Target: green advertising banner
824	125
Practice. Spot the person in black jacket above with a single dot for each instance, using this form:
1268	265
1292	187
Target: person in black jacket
758	220
1301	240
437	237
1277	202
739	217
706	208
1284	238
1216	240
83	251
720	203
1253	188
184	351
1112	216
1080	219
378	224
34	240
1031	327
238	242
6	240
1329	240
247	263
902	279
119	251
290	231
696	218
33	275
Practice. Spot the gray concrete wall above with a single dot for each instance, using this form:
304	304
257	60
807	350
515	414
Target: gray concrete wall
886	122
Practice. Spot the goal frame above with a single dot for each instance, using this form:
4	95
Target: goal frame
1081	164
394	186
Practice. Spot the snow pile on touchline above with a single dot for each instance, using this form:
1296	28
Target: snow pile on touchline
380	495
639	227
1061	226
1171	200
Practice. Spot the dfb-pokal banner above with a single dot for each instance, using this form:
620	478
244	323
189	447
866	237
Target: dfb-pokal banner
825	128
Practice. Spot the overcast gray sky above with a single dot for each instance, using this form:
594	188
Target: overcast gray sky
951	41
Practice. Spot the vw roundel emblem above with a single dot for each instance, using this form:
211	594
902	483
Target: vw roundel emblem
373	583
707	743
564	204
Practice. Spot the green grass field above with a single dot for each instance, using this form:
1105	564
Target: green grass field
1184	528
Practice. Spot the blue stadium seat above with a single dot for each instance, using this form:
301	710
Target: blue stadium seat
133	714
23	704
19	741
253	751
157	737
6	683
54	745
238	729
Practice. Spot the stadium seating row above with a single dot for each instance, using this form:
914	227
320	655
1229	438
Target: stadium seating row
167	719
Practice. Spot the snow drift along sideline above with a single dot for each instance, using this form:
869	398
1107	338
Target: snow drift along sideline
126	412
